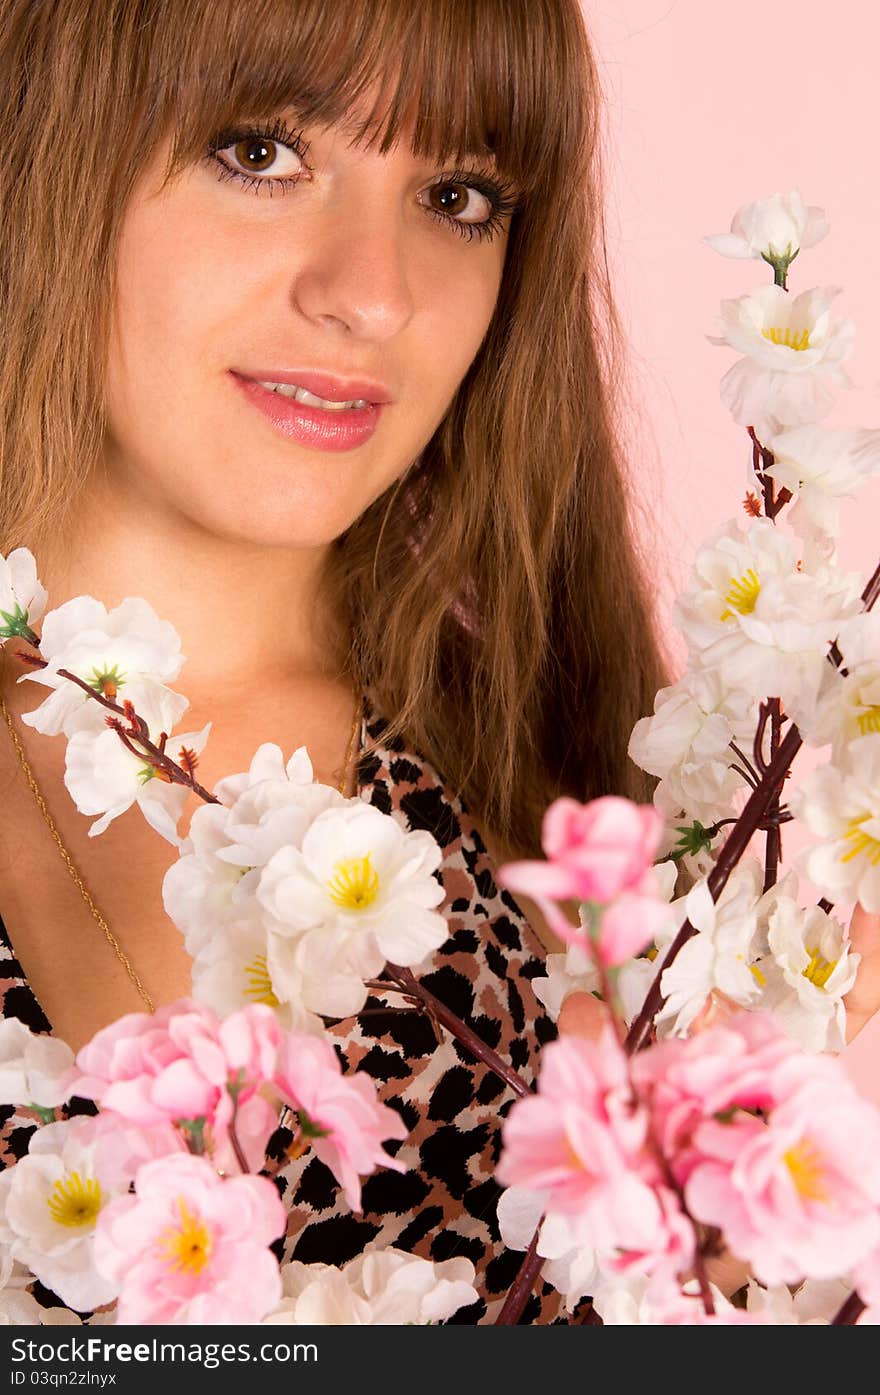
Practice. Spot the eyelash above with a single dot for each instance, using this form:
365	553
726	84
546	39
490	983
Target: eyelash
500	194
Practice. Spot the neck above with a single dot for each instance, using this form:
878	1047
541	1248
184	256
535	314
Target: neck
241	609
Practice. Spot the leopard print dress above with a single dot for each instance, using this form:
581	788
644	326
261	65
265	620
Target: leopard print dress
444	1205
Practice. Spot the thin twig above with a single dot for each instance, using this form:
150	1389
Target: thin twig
754	810
521	1288
138	729
458	1029
237	1148
754	775
849	1312
773	847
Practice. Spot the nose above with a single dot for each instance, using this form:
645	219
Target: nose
354	271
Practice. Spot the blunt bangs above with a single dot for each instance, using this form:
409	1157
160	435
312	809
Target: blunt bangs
461	79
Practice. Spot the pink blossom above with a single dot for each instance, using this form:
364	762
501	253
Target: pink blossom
581	1142
595	851
191	1247
153	1068
339	1114
797	1194
180	1063
254	1123
746	1063
629	925
122	1148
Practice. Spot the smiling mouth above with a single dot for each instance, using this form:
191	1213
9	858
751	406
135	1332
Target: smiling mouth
313	421
309	399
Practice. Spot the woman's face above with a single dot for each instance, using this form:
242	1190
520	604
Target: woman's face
356	269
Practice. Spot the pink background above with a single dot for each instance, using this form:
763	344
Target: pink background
708	107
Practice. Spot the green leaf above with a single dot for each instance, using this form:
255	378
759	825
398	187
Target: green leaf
694	839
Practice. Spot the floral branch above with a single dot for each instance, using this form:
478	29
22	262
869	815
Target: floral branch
754	811
137	730
757	808
469	1039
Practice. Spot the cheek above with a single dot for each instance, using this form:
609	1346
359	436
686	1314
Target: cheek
458	311
166	300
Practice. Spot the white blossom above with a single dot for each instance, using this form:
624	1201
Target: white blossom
49	1206
809	970
814	1303
792	351
573	971
763	615
214	881
234	970
382	1288
127	653
848	703
687	744
720	956
772	229
818	467
572	1268
18	1307
104	777
631	1300
359	891
34	1068
841	804
22	598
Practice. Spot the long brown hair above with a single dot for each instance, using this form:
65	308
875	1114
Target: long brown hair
494	595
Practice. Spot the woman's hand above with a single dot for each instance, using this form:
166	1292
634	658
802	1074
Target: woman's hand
863	999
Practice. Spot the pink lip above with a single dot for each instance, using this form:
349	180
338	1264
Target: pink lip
326	385
318	427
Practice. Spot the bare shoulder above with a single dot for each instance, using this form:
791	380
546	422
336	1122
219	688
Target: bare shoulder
551	942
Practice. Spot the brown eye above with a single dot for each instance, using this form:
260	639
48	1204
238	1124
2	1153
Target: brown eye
454	199
258	155
255	154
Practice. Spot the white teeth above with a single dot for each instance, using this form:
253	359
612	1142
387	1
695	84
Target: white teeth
309	399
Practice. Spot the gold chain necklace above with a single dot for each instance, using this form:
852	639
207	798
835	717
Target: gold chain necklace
71	866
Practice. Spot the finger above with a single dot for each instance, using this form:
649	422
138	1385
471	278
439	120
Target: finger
863	999
582	1015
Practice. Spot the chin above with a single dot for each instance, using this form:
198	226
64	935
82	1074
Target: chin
260	516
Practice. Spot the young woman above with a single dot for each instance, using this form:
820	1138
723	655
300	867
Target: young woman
207	205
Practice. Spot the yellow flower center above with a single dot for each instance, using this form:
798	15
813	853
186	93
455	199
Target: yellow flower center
187	1245
75	1201
355	885
792	338
869	720
805	1164
259	988
757	974
576	1162
819	970
743	594
861	843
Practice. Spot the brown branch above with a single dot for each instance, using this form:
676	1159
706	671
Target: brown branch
773	847
521	1288
754	812
140	732
407	982
849	1312
458	1029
